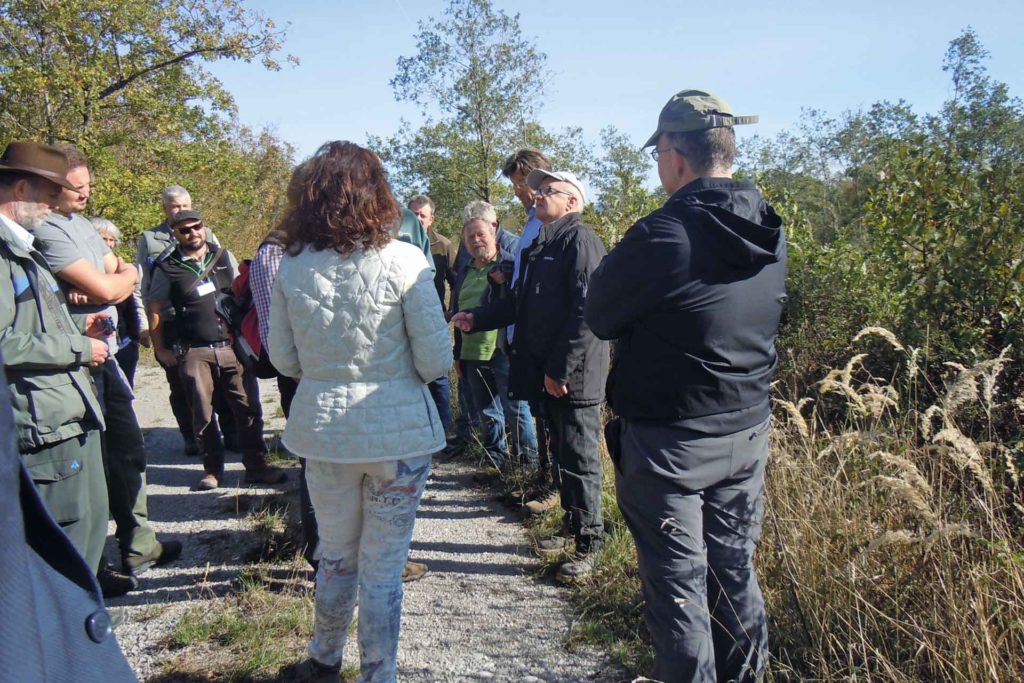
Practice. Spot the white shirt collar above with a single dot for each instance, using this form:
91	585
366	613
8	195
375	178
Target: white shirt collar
21	234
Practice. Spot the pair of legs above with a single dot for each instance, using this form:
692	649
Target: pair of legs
124	461
203	370
694	505
574	437
366	513
224	426
488	381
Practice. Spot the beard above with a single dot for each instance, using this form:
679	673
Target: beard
483	253
30	215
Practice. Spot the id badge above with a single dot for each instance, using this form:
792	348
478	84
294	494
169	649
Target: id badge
205	288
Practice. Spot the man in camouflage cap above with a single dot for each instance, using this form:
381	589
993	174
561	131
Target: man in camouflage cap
693	294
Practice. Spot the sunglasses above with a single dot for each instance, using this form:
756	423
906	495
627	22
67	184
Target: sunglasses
198	227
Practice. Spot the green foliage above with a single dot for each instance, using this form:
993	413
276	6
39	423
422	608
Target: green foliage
479	84
124	81
905	221
620	178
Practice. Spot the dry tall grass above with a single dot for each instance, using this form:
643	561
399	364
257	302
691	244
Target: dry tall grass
892	545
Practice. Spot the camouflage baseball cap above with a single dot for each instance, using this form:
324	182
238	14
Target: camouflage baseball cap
693	110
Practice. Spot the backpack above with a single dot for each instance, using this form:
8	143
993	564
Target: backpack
239	312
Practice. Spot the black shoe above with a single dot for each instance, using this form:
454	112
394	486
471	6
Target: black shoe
114	584
162	554
311	671
580	567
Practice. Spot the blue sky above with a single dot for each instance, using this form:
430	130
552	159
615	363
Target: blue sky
616	63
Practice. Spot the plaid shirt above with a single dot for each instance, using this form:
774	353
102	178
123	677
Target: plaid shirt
262	272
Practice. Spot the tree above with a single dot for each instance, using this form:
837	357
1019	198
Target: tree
479	84
620	179
125	82
93	71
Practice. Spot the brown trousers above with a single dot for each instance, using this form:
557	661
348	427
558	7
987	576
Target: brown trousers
203	370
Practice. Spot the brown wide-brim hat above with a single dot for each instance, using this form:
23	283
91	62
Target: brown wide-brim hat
38	159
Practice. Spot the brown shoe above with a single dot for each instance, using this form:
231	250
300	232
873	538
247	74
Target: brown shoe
540	505
267	474
209	482
413	571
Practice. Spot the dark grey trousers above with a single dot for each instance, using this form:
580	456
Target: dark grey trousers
694	505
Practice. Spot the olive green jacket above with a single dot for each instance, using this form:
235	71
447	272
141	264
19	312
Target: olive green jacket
45	355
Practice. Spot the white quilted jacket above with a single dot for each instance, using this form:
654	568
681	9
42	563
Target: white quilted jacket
365	332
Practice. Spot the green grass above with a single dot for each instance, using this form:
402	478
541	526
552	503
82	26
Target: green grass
251	634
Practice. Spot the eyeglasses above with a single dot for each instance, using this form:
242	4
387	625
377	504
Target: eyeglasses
198	227
549	190
655	153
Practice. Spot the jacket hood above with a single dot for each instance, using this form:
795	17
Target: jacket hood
739	224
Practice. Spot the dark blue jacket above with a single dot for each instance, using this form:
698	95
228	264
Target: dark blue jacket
54	625
693	295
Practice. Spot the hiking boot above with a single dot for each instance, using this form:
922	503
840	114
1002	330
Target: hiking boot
579	568
553	546
163	553
413	571
115	584
268	474
311	670
541	504
209	482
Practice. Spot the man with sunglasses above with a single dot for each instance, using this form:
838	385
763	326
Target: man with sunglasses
154	243
693	294
556	359
191	280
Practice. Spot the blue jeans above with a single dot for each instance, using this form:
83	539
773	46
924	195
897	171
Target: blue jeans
694	505
518	419
483	386
441	392
366	513
468	419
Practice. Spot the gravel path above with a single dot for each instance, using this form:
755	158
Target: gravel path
481	613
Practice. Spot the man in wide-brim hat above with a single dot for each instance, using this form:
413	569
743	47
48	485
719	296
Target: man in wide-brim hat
56	413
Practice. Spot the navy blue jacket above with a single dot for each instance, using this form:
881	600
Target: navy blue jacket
54	625
693	293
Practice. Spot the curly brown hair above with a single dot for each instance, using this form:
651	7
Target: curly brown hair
341	201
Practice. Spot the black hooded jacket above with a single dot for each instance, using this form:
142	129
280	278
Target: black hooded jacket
693	293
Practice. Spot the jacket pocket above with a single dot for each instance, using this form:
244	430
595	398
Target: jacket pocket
55	474
46	403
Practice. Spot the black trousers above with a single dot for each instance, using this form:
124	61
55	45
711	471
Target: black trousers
575	434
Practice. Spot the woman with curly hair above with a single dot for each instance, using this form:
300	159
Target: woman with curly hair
355	314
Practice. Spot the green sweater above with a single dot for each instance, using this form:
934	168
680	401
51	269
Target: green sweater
477	346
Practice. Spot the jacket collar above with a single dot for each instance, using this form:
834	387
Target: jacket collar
551	230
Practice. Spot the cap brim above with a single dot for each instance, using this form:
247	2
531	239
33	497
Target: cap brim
537	176
653	140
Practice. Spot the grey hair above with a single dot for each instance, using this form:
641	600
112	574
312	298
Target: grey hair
105	226
708	151
174	192
479	210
